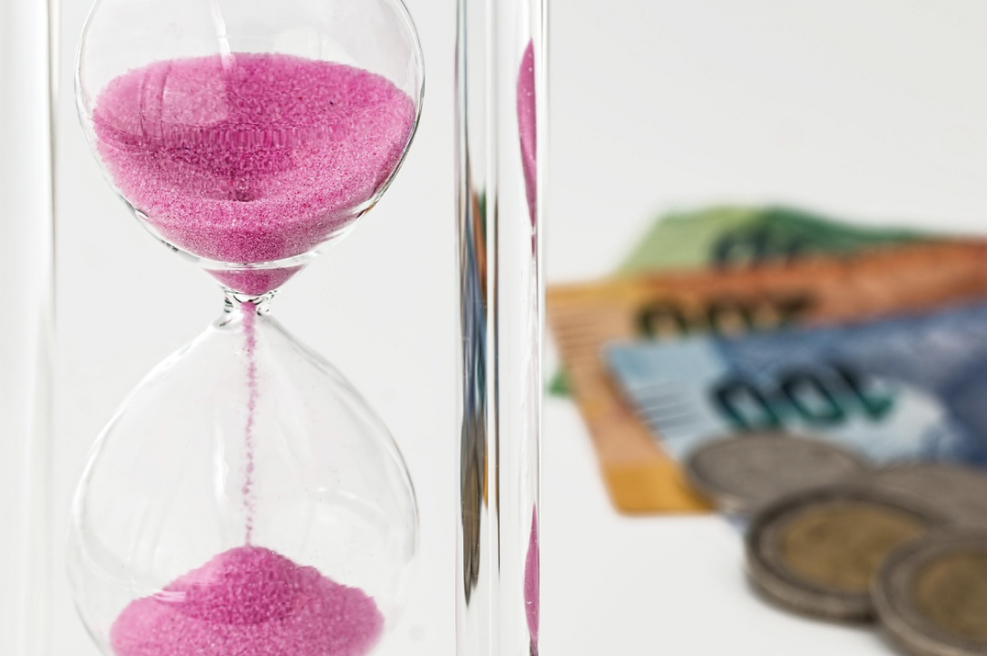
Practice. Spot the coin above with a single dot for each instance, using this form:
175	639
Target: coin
931	594
739	474
956	491
816	551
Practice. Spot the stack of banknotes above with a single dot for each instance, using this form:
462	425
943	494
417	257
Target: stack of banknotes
733	321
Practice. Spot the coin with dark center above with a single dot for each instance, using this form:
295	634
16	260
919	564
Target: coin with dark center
931	594
817	551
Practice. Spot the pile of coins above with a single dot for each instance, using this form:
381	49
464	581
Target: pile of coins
904	545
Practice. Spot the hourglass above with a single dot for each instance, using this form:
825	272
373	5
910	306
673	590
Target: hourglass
245	500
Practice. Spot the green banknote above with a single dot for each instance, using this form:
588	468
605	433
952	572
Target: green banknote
746	236
739	237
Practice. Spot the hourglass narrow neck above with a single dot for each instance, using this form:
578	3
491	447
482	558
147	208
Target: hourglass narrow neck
237	306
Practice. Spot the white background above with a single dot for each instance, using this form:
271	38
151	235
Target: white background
871	109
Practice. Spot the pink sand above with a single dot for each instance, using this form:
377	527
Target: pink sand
249	601
250	347
255	281
252	158
532	583
528	128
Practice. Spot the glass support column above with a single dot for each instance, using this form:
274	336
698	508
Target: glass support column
500	163
27	269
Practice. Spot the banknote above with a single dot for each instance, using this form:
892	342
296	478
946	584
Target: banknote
732	236
911	387
639	475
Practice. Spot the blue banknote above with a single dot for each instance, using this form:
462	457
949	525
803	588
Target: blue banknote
911	387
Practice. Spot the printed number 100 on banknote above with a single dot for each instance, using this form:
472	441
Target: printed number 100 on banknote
818	395
881	402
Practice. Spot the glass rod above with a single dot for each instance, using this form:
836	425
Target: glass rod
500	75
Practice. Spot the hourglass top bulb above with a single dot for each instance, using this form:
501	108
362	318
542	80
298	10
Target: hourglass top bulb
248	159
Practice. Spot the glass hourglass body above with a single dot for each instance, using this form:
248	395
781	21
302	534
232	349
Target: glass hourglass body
245	499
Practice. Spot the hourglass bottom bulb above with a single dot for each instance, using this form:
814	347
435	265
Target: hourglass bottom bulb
249	601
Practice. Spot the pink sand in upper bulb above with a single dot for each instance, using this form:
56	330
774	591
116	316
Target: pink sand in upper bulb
528	128
253	157
249	601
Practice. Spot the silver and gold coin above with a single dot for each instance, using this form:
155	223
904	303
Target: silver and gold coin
742	473
931	594
817	551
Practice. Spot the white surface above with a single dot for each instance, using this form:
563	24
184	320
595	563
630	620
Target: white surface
876	109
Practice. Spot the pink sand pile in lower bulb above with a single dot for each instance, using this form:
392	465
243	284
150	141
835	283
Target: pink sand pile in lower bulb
249	601
251	158
532	583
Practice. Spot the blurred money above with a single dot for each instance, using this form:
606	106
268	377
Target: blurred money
743	236
640	476
931	594
739	237
957	491
817	551
906	388
741	476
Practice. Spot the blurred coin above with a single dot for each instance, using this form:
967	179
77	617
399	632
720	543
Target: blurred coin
931	594
816	551
740	474
958	492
